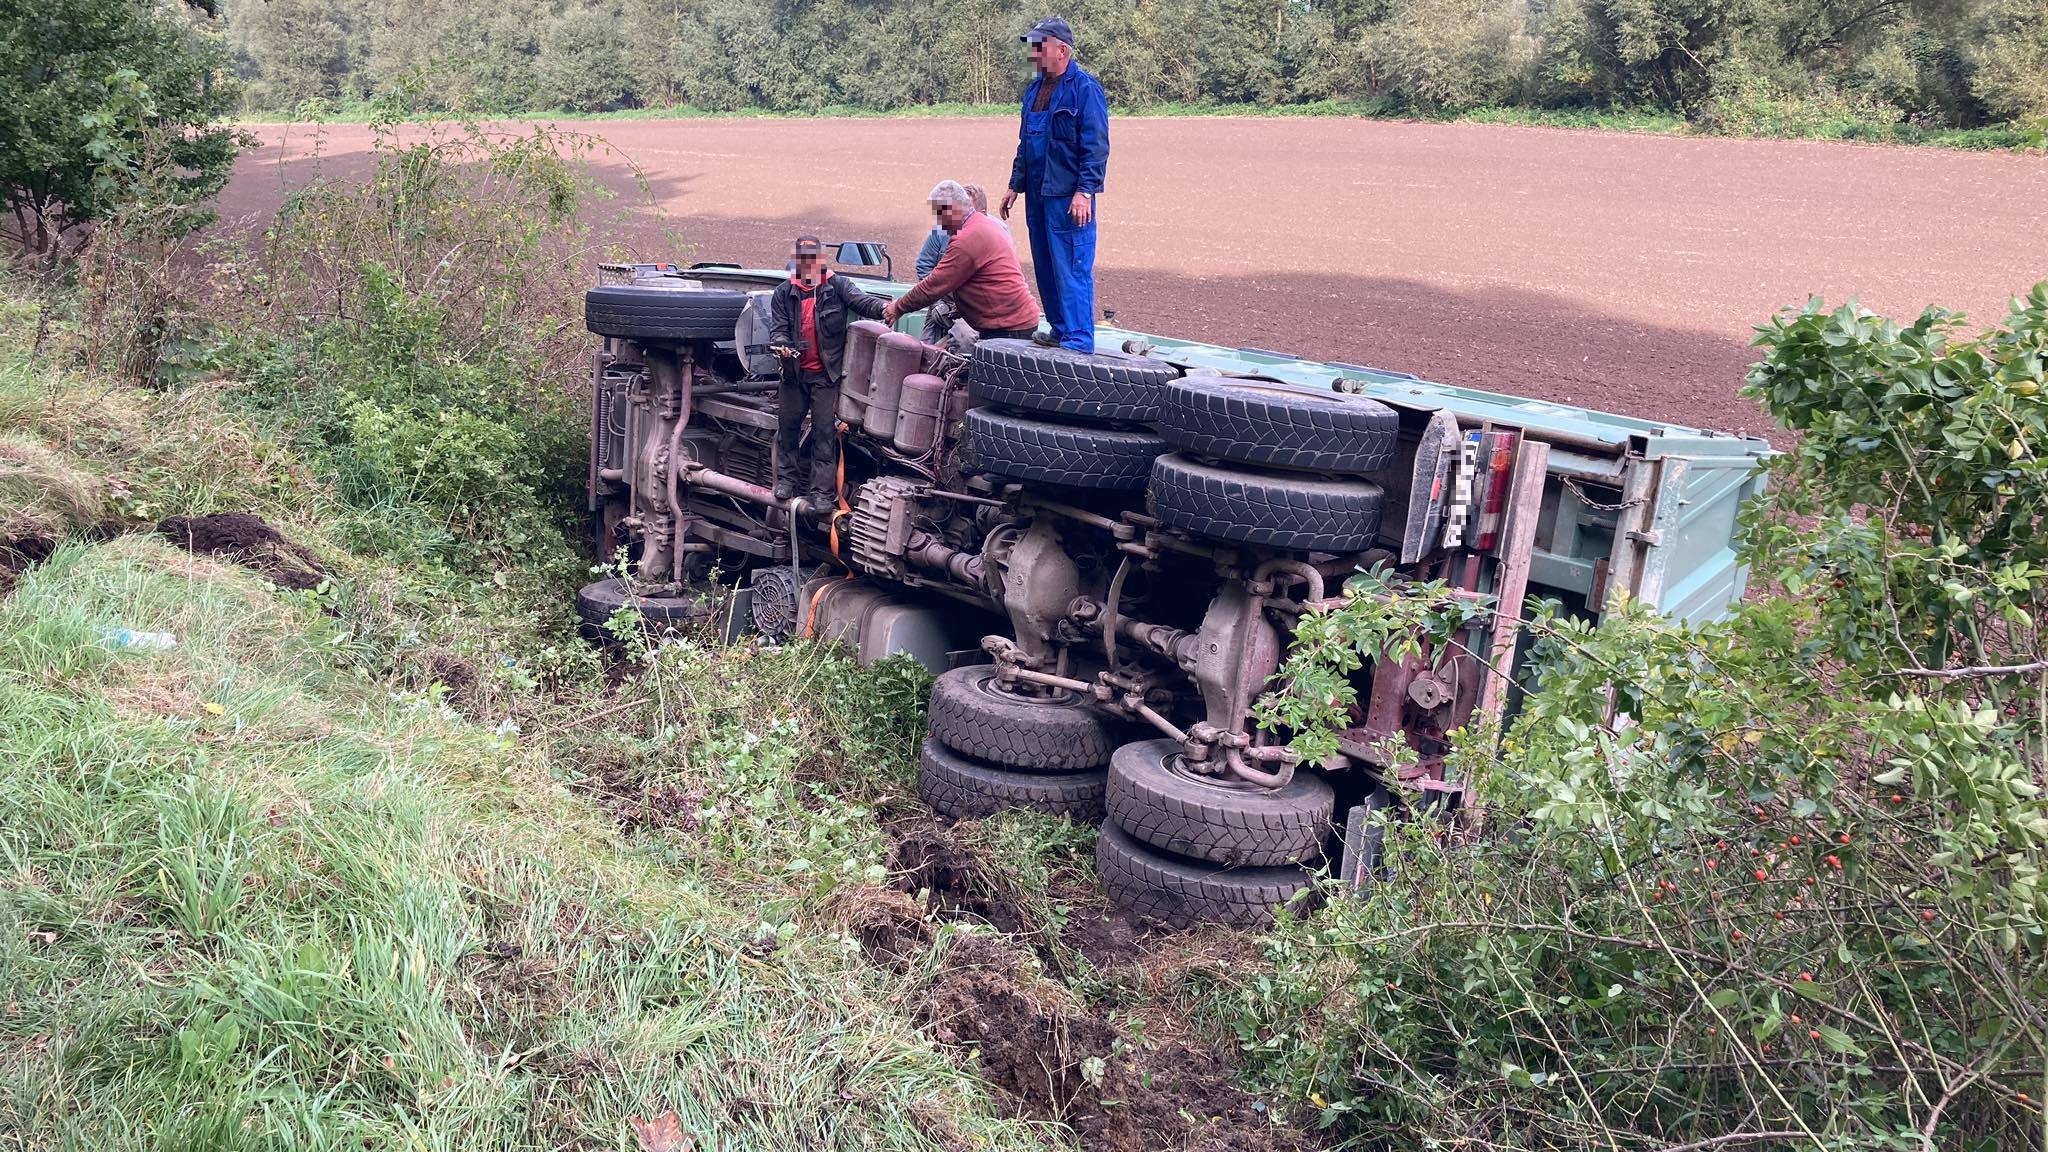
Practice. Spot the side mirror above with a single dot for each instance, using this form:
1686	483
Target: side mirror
864	254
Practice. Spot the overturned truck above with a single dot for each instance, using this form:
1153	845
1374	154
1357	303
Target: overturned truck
1103	557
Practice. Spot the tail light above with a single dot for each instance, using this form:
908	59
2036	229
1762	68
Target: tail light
1497	455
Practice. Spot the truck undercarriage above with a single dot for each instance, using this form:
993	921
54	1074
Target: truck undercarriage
1103	558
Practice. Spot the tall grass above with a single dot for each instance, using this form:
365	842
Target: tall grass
293	885
252	902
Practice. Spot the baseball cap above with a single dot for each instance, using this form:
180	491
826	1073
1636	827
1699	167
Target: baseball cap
807	246
1050	28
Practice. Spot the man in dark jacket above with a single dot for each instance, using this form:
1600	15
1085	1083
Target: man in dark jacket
1062	156
807	328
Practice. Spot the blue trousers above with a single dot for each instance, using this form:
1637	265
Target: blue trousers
1063	259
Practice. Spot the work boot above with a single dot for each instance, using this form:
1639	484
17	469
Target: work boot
784	491
1045	340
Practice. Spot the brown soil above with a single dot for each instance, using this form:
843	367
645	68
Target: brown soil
17	555
1616	271
1052	1056
635	801
247	540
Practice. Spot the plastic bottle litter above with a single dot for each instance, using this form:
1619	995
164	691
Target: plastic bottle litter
148	641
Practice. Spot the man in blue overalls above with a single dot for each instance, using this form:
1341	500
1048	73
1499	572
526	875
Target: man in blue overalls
1062	153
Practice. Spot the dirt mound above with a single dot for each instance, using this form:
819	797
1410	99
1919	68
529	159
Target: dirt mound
1057	1061
249	541
891	928
954	883
451	671
635	801
1055	1057
18	554
1033	1045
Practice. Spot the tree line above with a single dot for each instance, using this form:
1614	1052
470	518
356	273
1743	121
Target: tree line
1733	64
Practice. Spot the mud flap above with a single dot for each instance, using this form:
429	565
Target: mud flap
1434	457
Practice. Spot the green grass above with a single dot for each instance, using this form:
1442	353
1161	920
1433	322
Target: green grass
1997	137
277	888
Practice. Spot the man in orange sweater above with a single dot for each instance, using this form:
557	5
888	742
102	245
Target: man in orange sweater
979	272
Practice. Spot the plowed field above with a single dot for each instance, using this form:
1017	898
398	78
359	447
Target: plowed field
1617	271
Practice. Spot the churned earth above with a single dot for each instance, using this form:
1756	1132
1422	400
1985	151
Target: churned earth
1616	271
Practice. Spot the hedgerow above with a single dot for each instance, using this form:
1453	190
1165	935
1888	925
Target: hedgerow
1774	881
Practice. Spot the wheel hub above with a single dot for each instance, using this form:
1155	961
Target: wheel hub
1024	693
1177	764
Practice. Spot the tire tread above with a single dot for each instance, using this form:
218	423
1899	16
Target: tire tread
953	785
1182	893
1278	511
1062	382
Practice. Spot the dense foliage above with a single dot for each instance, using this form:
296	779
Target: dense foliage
397	862
1735	65
412	331
1771	882
104	103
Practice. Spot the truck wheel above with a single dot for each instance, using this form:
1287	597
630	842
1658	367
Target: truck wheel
1021	448
1063	382
635	313
1154	801
1183	893
1307	513
953	785
595	604
1277	425
1060	733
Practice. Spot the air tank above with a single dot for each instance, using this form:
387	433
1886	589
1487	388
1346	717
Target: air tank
861	336
897	354
918	412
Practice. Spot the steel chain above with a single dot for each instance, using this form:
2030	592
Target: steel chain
1572	486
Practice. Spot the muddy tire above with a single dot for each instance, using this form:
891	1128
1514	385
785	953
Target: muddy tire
595	604
1182	893
1194	817
1061	734
1272	425
953	785
635	313
1023	448
1306	513
1063	382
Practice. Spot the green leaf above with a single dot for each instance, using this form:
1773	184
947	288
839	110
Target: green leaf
1724	997
1813	990
1839	1041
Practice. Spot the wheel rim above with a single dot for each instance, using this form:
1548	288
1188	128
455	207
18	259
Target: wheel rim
1175	764
985	685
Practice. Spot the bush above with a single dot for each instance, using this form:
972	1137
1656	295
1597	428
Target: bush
96	95
1454	56
1771	881
581	63
2012	62
415	332
1744	100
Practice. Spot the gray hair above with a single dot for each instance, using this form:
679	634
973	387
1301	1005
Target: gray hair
950	194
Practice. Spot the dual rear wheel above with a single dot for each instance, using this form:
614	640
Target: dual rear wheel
1176	846
990	749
